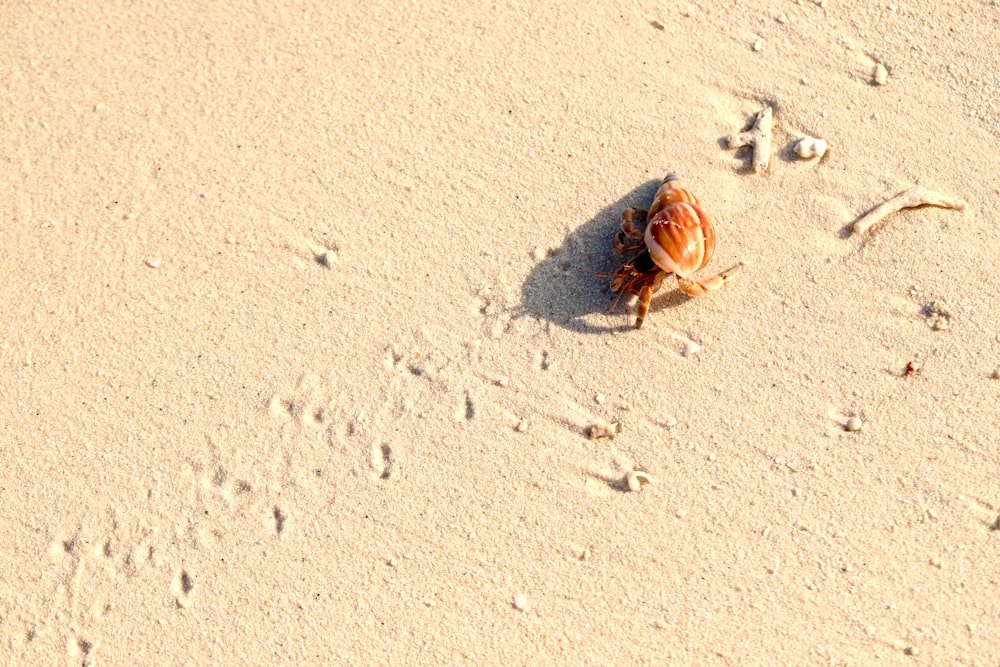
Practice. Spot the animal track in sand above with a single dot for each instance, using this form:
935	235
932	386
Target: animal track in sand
383	461
89	566
279	520
302	408
492	312
470	407
182	588
312	423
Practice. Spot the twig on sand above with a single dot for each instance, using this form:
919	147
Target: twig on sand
915	196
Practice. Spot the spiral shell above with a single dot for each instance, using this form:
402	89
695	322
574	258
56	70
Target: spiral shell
679	236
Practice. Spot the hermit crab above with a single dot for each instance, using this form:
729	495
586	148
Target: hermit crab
678	238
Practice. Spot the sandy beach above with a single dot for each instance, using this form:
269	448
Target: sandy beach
303	357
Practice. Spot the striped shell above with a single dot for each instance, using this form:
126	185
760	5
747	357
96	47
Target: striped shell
679	236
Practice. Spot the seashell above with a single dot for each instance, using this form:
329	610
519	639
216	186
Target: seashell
680	237
809	147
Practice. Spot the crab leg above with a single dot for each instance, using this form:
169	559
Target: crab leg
645	294
629	226
699	287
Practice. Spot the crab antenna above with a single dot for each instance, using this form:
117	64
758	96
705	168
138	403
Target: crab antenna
621	292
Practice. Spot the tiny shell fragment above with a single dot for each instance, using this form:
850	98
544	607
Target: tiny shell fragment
939	314
634	479
881	76
603	430
691	348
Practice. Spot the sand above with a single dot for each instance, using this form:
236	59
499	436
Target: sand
301	344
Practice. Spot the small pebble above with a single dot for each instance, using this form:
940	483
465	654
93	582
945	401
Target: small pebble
599	399
670	421
854	424
758	45
327	258
911	650
881	76
521	602
936	562
522	425
681	513
153	263
634	479
797	492
810	147
503	382
996	373
782	18
711	457
538	253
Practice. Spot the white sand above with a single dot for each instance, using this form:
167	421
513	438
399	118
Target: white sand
278	287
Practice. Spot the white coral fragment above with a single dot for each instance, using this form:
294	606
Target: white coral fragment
915	196
758	137
634	479
810	147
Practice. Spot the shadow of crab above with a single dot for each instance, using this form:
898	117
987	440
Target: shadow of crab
563	289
